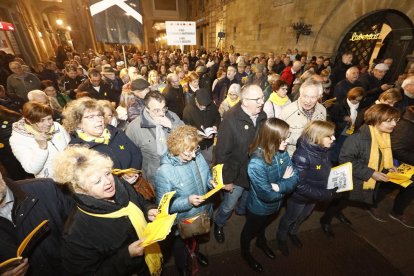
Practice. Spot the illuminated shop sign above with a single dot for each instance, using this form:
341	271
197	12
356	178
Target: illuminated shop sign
356	36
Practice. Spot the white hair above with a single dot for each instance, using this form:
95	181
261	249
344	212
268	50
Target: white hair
36	93
235	88
407	81
311	84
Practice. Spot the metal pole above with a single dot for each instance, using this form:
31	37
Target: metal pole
125	60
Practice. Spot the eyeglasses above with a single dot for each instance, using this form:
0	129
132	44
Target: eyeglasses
93	116
257	100
15	68
159	110
193	152
392	120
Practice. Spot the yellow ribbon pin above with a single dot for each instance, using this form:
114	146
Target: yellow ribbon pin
318	167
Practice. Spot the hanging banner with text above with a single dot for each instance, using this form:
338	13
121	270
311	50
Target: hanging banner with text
117	21
181	32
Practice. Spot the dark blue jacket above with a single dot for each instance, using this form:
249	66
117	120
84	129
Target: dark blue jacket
34	201
123	152
313	165
263	200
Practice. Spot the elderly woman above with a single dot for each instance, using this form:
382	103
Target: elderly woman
233	97
84	120
369	151
104	234
272	178
36	139
184	170
277	99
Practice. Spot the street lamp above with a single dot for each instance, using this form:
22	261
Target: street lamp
59	22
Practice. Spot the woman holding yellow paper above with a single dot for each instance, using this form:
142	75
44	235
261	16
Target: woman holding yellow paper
104	234
369	151
184	170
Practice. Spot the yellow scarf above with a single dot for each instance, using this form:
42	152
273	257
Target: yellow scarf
153	256
382	142
232	103
105	137
277	100
29	128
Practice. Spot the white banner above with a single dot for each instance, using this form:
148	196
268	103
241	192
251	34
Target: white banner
181	32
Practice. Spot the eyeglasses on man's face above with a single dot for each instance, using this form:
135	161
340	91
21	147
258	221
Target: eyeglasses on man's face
257	100
159	110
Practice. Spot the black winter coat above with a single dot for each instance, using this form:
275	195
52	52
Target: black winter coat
313	165
106	91
175	99
99	246
337	113
372	87
402	142
202	119
342	88
123	152
234	136
357	149
36	200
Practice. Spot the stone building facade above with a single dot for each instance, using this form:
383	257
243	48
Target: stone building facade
262	26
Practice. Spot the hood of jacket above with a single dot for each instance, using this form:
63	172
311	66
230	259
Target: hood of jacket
311	149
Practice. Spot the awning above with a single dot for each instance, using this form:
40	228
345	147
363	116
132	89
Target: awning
6	26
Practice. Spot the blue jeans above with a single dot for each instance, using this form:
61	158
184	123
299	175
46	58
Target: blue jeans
230	201
295	214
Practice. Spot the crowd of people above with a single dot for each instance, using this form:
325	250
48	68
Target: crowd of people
277	124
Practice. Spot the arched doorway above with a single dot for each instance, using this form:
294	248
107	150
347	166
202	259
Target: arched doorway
378	35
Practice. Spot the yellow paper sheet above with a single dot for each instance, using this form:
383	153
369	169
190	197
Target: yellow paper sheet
217	171
161	226
402	176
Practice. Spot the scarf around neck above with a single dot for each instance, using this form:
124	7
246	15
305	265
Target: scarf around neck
103	139
29	128
277	100
232	103
160	137
381	142
353	109
152	253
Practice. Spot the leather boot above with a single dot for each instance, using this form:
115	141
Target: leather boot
251	261
218	233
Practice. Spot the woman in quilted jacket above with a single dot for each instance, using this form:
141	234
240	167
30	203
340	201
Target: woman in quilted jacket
311	160
184	170
272	177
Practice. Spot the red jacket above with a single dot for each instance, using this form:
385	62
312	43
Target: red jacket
288	76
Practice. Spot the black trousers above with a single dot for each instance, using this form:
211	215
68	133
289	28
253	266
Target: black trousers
255	226
181	249
401	201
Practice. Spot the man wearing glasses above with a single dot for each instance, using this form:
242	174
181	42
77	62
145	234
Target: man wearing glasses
237	130
20	83
149	131
305	109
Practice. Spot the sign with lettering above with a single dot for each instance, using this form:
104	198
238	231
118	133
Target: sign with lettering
181	32
6	26
356	36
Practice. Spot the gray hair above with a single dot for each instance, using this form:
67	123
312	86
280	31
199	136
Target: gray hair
235	88
311	84
407	81
272	78
349	70
246	89
36	93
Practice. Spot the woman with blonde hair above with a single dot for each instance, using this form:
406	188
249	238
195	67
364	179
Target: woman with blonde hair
155	82
36	139
184	170
311	160
105	232
84	120
233	97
